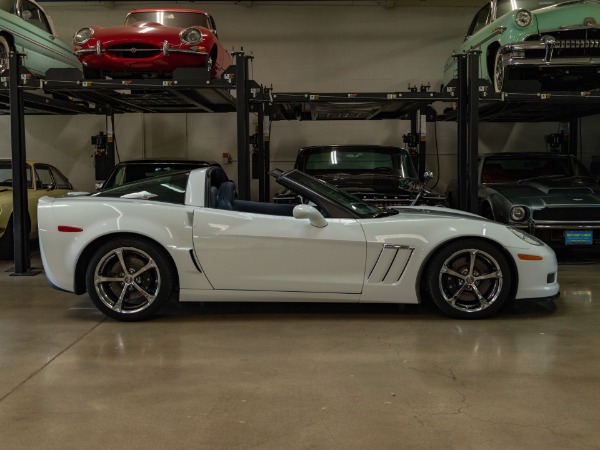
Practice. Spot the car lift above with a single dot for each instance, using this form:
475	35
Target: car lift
72	95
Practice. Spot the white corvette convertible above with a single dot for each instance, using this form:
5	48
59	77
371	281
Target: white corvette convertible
186	234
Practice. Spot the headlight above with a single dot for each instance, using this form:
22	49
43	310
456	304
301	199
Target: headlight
523	18
518	213
191	36
83	35
532	240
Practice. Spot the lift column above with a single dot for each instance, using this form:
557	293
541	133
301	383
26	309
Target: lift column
19	170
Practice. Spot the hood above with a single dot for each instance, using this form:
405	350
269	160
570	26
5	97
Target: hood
138	29
437	211
567	14
552	191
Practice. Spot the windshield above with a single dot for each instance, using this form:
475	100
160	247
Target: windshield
6	174
359	161
334	195
169	18
165	188
506	6
511	170
126	173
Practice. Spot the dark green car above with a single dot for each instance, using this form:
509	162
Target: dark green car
551	195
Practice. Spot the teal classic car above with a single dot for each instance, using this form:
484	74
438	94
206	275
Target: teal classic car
553	42
26	28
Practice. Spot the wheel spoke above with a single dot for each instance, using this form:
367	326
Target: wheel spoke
484	303
146	294
452	300
151	265
472	262
98	279
495	274
119	253
448	271
118	306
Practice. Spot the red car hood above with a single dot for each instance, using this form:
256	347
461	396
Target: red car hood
147	30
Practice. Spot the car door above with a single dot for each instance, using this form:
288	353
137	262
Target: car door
261	252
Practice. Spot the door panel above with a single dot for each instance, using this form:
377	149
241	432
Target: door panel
274	253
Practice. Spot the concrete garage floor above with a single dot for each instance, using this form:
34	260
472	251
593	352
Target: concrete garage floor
301	376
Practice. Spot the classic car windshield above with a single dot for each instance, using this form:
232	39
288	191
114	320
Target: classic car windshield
6	174
165	188
334	195
506	6
352	160
169	18
513	169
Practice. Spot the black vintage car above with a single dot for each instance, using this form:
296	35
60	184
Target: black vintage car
380	175
551	195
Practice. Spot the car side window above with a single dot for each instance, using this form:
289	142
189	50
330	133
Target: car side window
480	20
60	180
44	176
31	13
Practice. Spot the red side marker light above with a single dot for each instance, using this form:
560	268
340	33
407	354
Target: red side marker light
69	229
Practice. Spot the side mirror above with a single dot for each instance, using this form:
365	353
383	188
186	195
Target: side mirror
315	218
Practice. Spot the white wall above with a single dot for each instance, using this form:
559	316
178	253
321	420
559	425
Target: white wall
347	47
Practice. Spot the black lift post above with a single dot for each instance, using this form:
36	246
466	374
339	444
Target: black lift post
473	126
20	226
243	124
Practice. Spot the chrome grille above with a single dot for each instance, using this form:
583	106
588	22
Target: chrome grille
568	214
133	50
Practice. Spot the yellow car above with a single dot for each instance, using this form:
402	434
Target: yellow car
42	179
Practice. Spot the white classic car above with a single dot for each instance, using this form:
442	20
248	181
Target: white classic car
135	246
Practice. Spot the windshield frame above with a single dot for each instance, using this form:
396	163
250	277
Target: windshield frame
154	17
334	202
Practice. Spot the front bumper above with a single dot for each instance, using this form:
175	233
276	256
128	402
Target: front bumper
554	233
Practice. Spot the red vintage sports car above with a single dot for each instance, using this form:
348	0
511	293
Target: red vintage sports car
152	43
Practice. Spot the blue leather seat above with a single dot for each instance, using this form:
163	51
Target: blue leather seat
226	195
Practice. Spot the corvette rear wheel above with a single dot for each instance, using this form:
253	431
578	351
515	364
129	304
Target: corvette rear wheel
469	279
129	279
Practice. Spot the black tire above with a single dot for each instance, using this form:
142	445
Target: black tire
499	75
130	279
7	242
4	54
469	279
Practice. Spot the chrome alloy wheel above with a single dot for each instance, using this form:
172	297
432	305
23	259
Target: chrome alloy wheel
470	280
127	280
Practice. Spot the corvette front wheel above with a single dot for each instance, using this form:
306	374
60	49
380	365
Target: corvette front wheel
129	279
469	279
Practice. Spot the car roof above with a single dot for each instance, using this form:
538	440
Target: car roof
166	161
351	147
184	10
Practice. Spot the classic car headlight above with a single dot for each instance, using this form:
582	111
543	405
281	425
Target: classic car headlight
83	35
526	237
523	18
191	36
518	213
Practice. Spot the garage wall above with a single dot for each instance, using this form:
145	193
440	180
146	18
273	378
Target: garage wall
346	46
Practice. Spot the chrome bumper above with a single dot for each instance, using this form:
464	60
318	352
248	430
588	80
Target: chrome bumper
514	54
166	50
